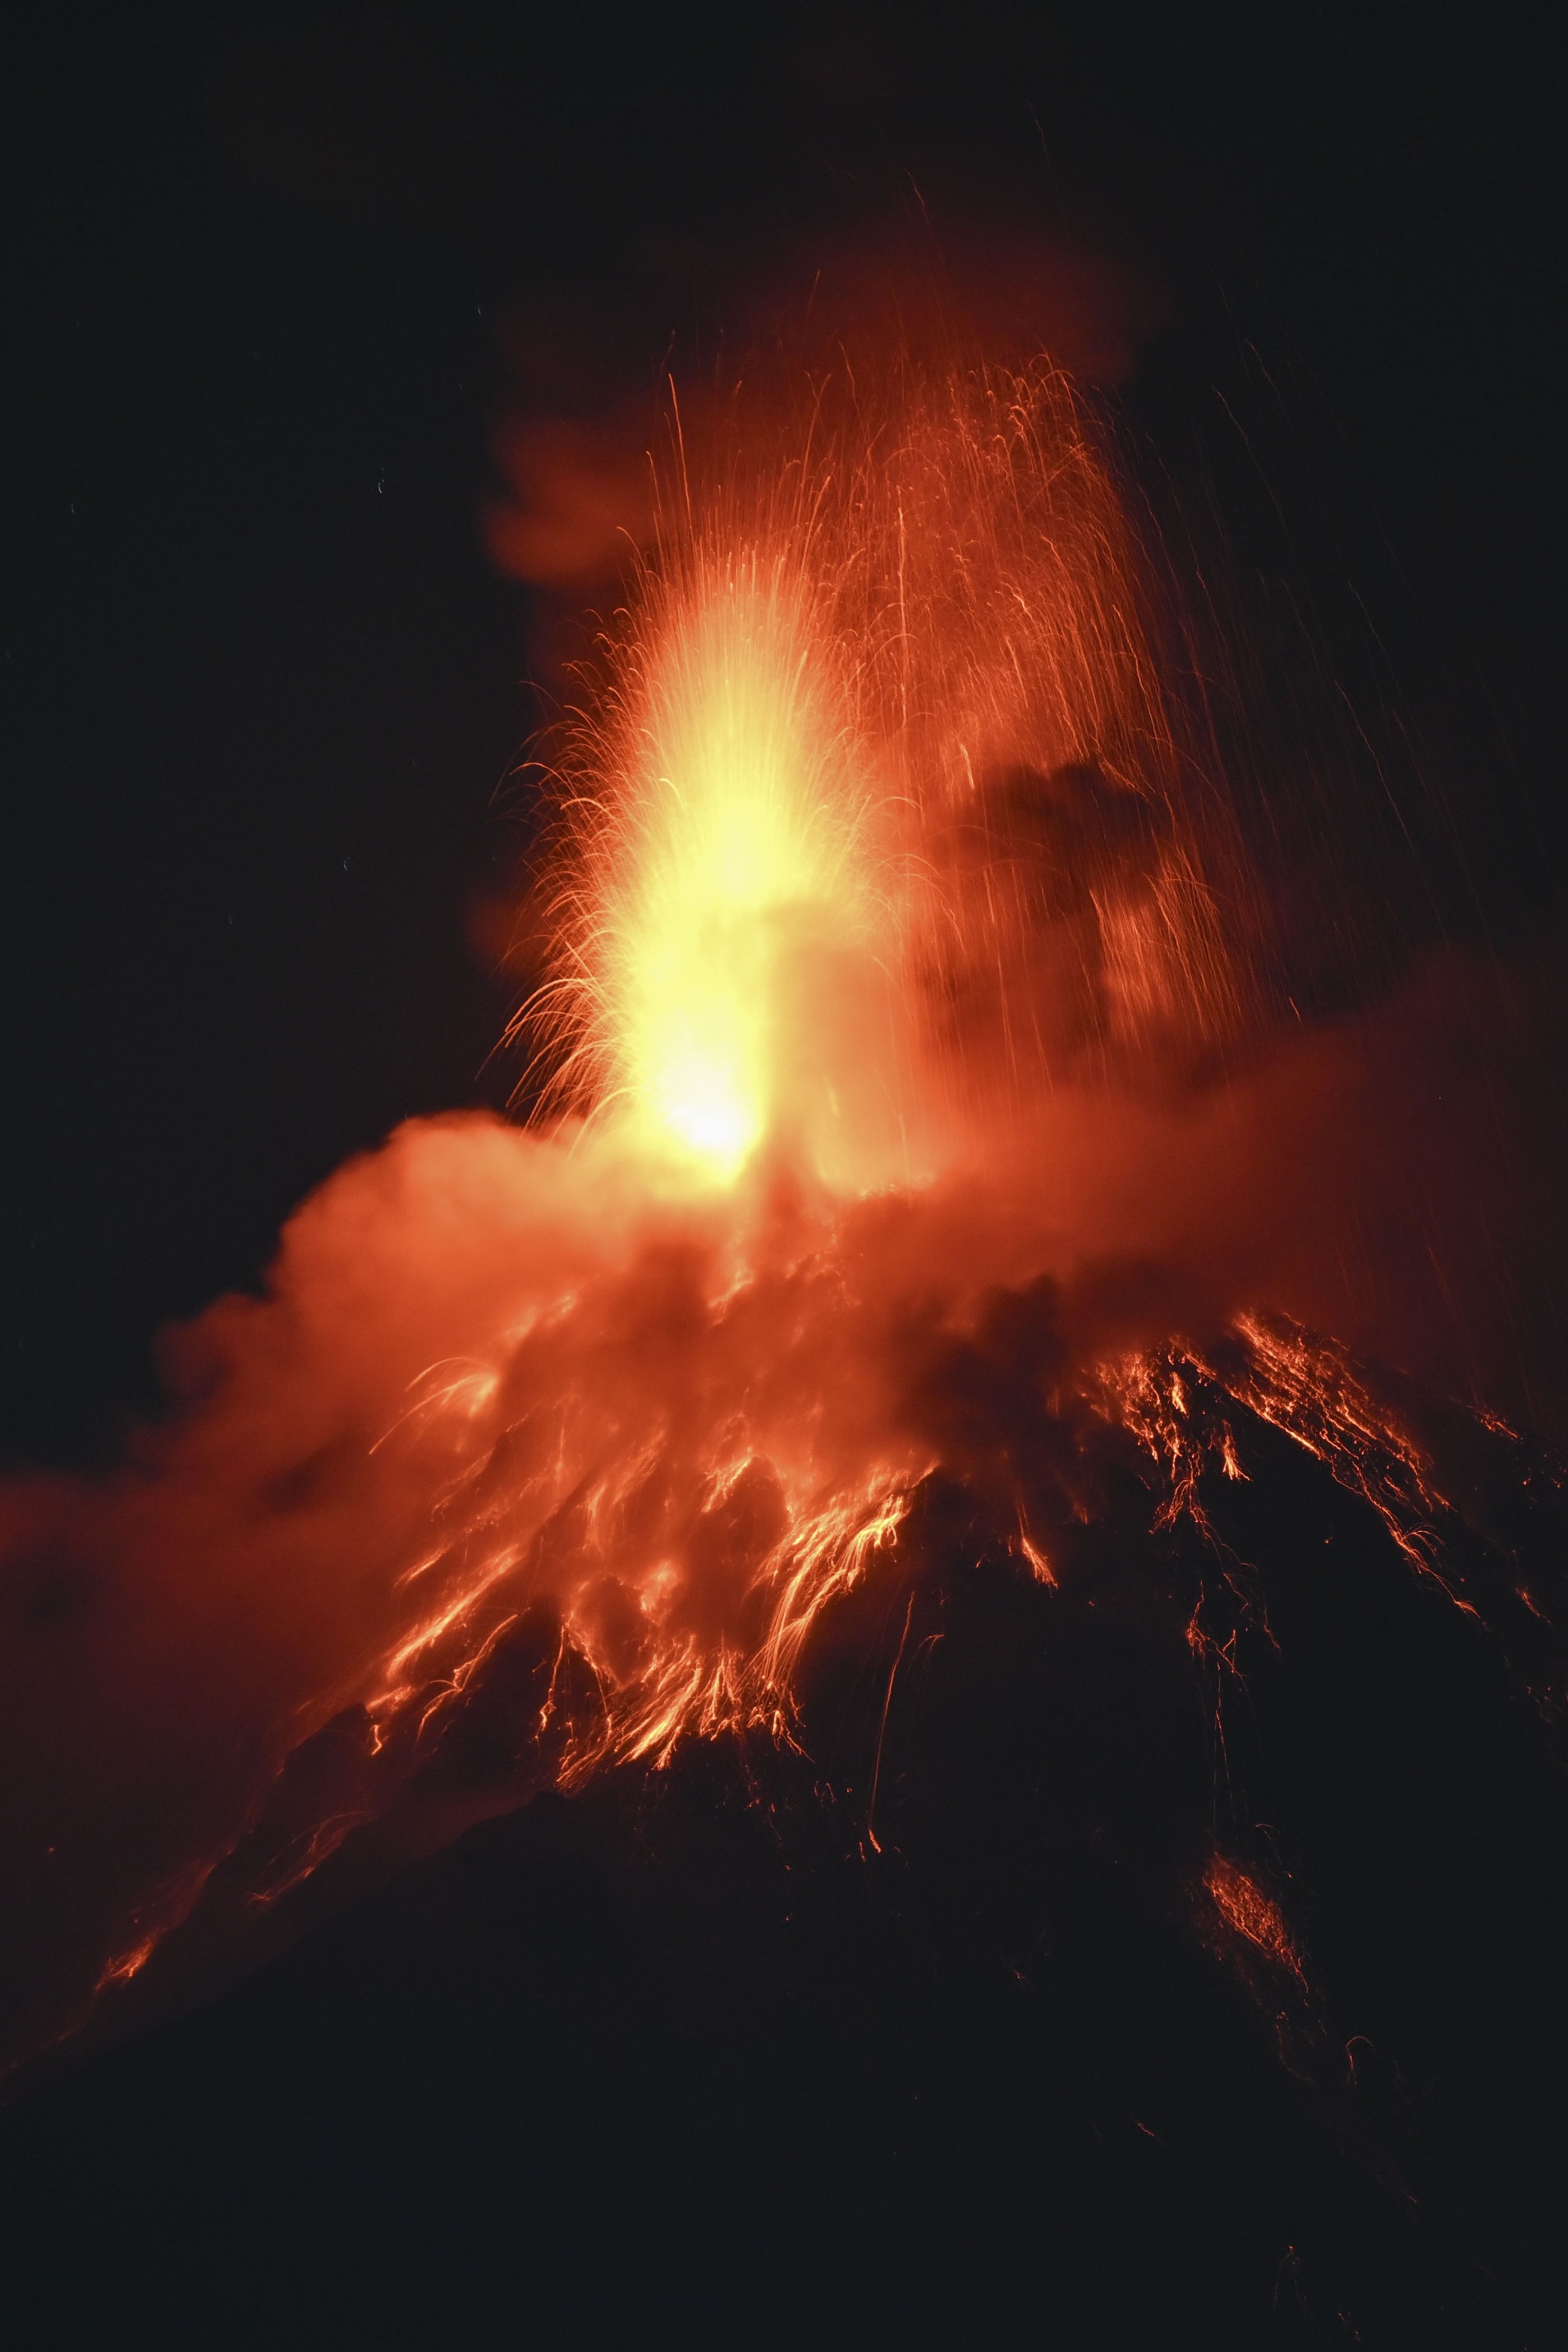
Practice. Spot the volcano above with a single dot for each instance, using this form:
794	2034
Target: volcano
766	1700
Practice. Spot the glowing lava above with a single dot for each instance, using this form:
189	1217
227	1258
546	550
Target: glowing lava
732	856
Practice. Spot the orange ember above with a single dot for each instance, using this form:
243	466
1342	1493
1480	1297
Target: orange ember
1248	1911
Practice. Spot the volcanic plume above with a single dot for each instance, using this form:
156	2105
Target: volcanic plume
855	1369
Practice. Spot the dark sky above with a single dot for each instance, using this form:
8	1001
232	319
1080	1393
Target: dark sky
263	692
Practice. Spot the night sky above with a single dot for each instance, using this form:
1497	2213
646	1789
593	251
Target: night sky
265	698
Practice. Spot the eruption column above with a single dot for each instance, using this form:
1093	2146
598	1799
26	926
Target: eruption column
727	867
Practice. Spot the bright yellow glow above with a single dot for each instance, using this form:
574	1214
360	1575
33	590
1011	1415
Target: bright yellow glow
739	846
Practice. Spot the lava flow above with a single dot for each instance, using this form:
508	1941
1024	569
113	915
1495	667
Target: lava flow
894	895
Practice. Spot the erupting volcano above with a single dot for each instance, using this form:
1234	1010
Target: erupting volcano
842	1415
